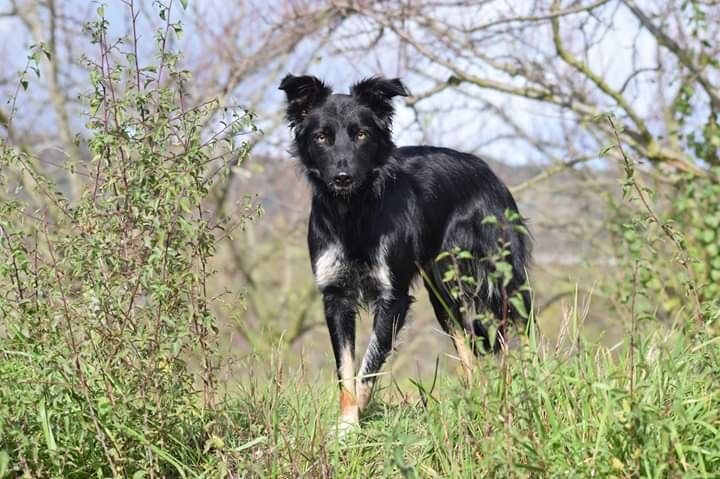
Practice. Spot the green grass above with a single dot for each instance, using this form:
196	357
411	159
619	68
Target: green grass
563	415
571	412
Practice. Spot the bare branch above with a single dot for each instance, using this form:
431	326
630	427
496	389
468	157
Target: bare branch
681	53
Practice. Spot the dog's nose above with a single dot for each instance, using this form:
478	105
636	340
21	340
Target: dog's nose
342	179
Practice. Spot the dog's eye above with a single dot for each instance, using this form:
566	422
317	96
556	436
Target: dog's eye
361	135
321	138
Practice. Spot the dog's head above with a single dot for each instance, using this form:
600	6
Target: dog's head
342	140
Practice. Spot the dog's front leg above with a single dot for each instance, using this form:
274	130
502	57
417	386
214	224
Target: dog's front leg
340	310
389	318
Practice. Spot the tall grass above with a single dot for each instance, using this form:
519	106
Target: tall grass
566	411
535	412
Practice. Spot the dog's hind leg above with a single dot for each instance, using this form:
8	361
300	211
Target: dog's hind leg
448	315
340	311
390	314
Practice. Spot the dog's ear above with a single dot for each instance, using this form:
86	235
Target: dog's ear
377	94
303	94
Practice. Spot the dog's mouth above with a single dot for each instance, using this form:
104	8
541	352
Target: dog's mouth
342	191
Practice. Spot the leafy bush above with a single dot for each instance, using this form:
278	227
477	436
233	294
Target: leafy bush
108	339
667	245
697	211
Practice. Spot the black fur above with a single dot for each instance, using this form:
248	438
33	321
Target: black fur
376	203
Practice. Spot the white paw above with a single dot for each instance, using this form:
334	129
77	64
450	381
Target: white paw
345	428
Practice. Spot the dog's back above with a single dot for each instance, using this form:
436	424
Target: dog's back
444	202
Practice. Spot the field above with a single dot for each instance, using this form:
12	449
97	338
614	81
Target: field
571	409
158	315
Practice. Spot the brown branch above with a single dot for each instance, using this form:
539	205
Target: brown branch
549	172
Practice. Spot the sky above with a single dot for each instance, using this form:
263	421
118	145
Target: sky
459	125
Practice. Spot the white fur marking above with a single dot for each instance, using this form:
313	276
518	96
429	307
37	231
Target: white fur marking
364	393
372	350
349	414
329	265
346	426
364	384
381	272
347	369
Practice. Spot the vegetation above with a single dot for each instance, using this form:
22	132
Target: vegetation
571	410
575	411
125	350
105	301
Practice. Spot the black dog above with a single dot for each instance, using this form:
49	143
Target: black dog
382	215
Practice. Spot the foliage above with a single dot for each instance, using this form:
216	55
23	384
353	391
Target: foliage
697	210
668	244
695	207
108	340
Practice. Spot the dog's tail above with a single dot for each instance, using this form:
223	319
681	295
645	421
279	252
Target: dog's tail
511	305
521	299
512	308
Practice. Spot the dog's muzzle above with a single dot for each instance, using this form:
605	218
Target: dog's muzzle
342	183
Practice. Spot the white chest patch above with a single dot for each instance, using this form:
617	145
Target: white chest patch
371	281
330	265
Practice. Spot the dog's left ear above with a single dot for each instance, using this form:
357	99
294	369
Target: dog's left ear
303	94
377	94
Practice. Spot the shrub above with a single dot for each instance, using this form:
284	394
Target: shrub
108	336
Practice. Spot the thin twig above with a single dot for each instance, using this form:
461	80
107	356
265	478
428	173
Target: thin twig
665	227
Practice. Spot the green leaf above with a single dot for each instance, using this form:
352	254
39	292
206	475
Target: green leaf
605	150
521	229
248	445
44	419
184	4
519	305
449	275
708	236
45	51
214	443
4	463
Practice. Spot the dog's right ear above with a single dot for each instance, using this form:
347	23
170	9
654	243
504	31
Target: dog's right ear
303	94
